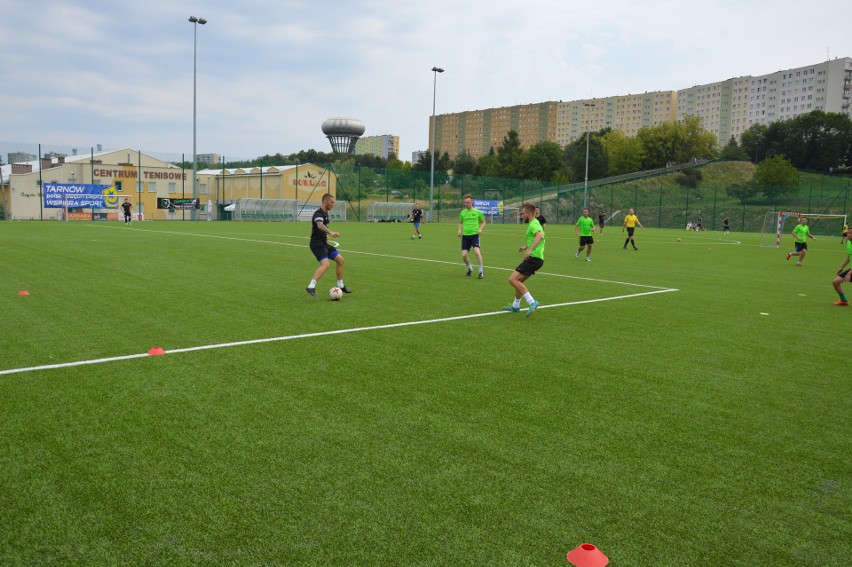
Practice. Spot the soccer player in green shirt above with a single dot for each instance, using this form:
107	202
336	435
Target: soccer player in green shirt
844	275
533	261
801	233
471	223
584	227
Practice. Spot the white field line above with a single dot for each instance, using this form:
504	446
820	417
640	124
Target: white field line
393	256
321	334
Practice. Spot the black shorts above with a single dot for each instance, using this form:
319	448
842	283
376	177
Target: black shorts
586	240
630	230
470	241
323	250
530	266
801	246
601	223
843	274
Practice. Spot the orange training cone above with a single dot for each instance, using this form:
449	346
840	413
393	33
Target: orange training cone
587	555
156	350
23	292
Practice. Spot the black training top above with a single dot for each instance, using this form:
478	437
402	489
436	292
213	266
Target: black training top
316	234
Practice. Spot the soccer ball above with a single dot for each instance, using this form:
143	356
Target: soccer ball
335	293
678	239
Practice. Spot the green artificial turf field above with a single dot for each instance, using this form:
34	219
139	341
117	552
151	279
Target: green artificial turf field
684	404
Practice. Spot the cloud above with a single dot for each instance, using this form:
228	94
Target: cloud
269	73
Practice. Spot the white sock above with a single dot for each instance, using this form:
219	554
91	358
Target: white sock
528	298
340	284
480	268
313	284
517	302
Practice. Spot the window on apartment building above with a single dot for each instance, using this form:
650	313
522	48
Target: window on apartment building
172	188
152	187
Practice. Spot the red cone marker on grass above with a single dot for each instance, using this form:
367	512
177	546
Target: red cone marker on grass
587	555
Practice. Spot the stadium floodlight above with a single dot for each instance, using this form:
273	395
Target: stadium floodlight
195	21
435	71
586	182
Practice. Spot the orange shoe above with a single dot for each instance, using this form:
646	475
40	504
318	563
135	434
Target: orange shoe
788	255
844	303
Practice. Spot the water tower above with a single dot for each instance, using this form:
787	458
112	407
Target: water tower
343	133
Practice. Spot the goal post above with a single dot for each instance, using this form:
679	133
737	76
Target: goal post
777	223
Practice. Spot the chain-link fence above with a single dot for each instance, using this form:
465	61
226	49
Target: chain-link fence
657	204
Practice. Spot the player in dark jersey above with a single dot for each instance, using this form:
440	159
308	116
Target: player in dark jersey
540	218
321	248
126	207
416	216
601	220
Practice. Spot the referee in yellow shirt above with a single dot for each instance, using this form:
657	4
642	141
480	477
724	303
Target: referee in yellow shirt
630	222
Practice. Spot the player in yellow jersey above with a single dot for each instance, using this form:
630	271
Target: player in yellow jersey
630	222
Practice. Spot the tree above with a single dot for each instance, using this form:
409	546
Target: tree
543	161
509	156
676	142
775	176
733	151
575	156
624	155
753	141
743	193
464	164
487	165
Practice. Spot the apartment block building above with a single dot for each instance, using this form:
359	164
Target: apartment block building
477	131
726	108
380	146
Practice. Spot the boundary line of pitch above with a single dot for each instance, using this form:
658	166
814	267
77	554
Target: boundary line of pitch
319	334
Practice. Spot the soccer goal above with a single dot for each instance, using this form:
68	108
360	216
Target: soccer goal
778	223
511	215
388	212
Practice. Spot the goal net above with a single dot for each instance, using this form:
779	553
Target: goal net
778	223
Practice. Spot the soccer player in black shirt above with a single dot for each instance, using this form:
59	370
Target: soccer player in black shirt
126	207
416	216
321	248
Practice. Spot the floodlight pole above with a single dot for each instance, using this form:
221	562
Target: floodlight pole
435	71
195	21
586	182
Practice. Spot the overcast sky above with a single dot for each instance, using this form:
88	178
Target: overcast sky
118	73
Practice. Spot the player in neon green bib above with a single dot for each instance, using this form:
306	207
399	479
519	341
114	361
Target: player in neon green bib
801	233
533	261
584	227
471	223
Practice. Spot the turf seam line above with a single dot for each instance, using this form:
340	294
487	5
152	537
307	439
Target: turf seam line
321	333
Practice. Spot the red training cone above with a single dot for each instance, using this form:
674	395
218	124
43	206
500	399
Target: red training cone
23	292
156	350
587	555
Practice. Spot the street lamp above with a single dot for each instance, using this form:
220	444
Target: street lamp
586	182
435	70
195	21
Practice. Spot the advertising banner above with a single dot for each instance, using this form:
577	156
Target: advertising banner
488	207
79	196
181	204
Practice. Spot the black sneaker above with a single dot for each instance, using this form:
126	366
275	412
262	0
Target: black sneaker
311	291
635	248
469	271
345	289
481	276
